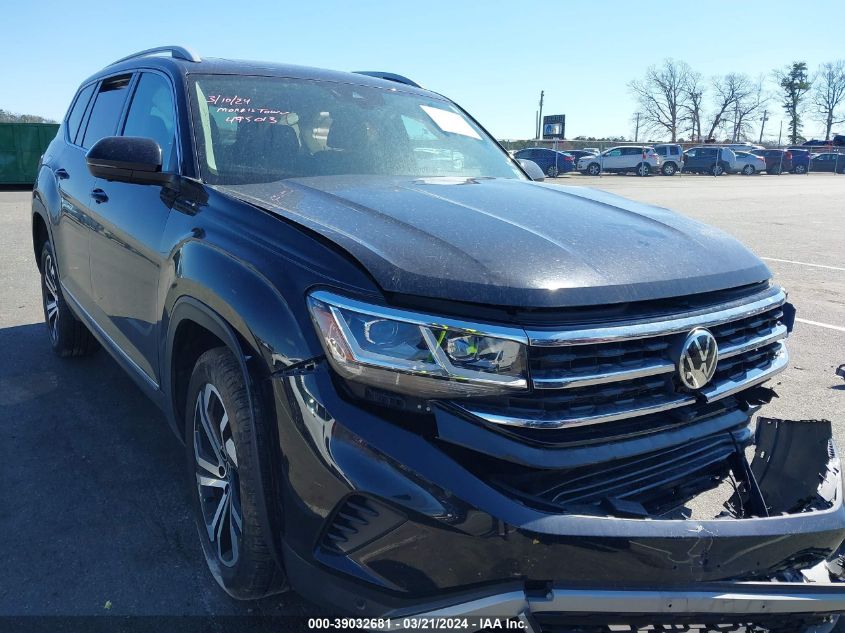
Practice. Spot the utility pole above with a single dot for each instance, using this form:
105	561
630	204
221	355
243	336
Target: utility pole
637	129
540	118
736	122
780	134
536	124
763	125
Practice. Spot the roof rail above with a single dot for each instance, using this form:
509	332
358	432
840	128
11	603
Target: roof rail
380	74
177	52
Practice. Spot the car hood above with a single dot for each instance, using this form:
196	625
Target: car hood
509	242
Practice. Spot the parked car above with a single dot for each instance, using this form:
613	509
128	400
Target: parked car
578	154
828	161
550	161
747	163
638	159
403	392
800	160
743	147
777	160
595	151
710	160
672	156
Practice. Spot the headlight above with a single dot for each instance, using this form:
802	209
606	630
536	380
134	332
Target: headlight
422	356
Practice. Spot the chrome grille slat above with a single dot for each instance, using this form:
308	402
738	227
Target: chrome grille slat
574	380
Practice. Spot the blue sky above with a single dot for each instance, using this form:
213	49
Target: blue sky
491	57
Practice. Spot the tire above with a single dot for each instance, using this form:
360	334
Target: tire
68	335
643	169
593	169
799	169
669	169
552	171
226	477
717	170
748	170
774	170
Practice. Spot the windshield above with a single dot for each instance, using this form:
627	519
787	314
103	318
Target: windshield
253	129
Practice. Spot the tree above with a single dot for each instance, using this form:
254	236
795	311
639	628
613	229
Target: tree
728	92
748	108
661	95
829	94
795	84
691	105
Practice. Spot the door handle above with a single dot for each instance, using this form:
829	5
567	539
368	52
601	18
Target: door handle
61	173
99	196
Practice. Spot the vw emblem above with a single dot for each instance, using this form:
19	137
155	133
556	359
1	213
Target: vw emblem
698	359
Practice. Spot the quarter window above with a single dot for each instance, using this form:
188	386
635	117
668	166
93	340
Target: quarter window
74	117
107	109
151	115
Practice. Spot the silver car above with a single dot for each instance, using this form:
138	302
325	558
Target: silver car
749	163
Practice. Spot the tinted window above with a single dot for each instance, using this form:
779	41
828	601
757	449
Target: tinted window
632	151
106	111
661	150
614	152
675	150
74	117
151	115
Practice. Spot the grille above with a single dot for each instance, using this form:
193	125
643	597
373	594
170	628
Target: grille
606	373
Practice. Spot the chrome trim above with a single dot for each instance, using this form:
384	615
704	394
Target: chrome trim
495	331
778	333
645	329
573	381
565	423
108	339
717	599
753	377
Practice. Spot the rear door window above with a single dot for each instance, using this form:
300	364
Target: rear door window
107	109
74	117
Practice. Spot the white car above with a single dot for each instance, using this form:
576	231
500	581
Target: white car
748	163
638	159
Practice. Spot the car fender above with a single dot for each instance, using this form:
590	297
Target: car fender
46	201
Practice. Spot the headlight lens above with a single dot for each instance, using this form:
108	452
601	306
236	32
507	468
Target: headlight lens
423	356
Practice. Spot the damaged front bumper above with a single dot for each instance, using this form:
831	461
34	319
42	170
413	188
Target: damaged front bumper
401	525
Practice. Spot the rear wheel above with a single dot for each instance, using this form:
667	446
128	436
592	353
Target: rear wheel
748	170
669	169
226	477
717	170
552	171
68	335
643	169
594	169
800	169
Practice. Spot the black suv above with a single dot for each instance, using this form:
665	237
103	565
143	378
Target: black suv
409	379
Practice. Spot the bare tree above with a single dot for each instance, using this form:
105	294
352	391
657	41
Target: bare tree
691	105
829	94
728	91
747	109
661	95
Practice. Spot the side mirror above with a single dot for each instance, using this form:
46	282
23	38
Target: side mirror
532	169
127	159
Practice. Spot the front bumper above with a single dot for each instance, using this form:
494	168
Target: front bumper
384	519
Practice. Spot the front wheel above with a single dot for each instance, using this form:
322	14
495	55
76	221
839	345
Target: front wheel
748	170
68	335
643	169
774	170
669	169
226	477
717	170
594	169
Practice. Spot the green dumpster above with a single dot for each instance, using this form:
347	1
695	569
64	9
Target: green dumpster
21	145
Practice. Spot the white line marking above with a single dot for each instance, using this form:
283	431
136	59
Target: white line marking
791	261
838	328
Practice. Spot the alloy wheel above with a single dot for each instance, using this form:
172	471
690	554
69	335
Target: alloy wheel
217	475
552	172
51	297
748	170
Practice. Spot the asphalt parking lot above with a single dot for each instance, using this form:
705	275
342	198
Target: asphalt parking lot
93	511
